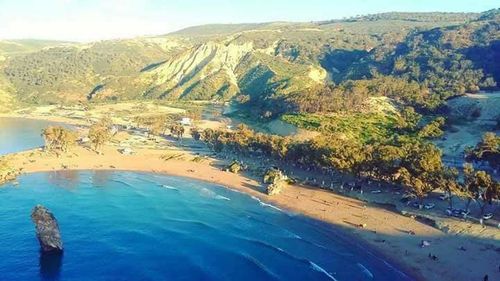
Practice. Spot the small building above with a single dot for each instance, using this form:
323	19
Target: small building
186	121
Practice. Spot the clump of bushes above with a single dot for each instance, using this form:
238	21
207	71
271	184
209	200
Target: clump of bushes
275	187
7	173
488	149
235	167
58	138
276	181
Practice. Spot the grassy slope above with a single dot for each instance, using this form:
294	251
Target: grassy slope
370	125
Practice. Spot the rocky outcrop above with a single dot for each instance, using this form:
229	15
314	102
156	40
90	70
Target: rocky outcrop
276	181
47	229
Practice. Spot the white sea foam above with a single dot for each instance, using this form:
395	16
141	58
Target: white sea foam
322	270
393	268
220	197
266	204
296	236
169	187
211	194
365	270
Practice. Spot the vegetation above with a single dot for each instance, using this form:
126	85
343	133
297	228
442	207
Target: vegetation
6	172
412	162
275	180
391	75
155	124
487	150
433	129
195	133
235	167
480	186
366	127
58	138
177	130
100	133
447	53
352	95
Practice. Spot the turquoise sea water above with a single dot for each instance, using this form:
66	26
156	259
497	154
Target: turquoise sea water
136	226
139	226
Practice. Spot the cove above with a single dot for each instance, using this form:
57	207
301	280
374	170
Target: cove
141	226
18	134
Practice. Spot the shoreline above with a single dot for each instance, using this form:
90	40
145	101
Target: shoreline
338	233
384	232
55	119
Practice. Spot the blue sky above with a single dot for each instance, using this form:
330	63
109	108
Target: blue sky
79	20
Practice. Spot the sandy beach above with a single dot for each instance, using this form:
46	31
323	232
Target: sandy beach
167	140
394	236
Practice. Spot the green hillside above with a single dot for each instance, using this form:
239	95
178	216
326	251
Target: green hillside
259	63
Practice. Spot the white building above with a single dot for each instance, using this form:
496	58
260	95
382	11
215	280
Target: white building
186	121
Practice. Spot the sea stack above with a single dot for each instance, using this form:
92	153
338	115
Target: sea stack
47	229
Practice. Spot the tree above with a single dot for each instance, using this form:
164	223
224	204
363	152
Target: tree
467	191
195	133
420	168
488	149
100	133
279	146
351	156
177	130
386	160
484	189
480	186
156	124
433	129
447	181
194	114
418	184
58	138
408	119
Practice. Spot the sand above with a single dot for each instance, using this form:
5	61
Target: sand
384	231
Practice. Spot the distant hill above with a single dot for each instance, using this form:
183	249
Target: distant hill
23	46
261	61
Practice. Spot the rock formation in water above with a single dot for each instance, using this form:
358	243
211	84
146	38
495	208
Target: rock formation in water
47	229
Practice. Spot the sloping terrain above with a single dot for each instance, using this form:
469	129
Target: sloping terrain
471	115
20	47
211	62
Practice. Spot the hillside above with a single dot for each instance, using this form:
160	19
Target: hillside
471	116
23	46
217	62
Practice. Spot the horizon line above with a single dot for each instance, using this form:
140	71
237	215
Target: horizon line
146	35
